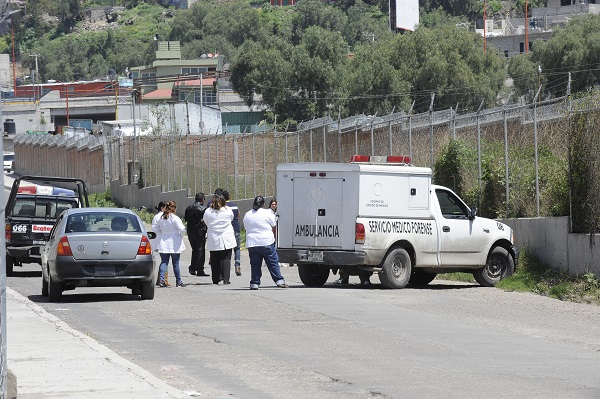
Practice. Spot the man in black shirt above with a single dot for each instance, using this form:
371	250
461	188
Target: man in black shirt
196	231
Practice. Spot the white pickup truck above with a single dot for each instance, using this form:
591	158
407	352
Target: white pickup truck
383	215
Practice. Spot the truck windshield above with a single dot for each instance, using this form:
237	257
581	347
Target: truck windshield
49	208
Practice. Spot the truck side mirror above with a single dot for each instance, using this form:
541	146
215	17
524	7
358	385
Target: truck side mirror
472	214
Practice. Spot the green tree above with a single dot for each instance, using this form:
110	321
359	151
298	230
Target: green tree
470	8
573	49
372	84
450	62
524	74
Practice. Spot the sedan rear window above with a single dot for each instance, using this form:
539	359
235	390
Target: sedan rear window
104	222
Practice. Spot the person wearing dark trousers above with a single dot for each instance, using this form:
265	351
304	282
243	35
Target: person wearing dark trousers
260	241
220	239
196	232
236	229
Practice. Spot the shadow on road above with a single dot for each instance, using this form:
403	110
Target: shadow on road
17	273
89	298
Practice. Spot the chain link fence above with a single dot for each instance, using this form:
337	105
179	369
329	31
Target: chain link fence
516	160
524	146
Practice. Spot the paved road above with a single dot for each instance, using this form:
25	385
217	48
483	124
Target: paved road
448	340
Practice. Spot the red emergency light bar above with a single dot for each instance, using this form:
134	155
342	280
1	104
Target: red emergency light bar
398	159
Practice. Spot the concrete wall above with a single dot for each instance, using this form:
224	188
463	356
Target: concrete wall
131	196
550	241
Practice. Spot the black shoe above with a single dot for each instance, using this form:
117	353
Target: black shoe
192	271
162	284
180	284
202	274
226	282
365	283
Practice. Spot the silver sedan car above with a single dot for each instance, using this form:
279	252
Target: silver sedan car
98	247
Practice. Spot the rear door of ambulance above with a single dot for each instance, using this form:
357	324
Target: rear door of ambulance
317	206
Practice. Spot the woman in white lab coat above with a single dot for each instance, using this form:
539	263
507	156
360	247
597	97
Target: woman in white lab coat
171	231
220	238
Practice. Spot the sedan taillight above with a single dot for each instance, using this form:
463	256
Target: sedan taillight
145	248
8	231
64	248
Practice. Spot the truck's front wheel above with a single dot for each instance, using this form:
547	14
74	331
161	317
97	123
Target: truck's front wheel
397	268
500	264
313	275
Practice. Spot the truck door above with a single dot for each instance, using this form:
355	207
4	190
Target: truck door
460	237
317	217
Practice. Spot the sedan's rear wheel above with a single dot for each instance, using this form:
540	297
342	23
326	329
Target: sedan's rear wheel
147	291
44	287
55	290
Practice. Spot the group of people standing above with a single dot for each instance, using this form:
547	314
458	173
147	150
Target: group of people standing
215	227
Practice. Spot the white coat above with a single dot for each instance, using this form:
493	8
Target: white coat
220	234
171	232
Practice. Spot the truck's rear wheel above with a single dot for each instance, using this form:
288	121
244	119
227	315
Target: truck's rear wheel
397	268
55	290
500	264
313	275
421	278
10	264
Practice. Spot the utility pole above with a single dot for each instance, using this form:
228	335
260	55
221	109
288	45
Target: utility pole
526	28
36	75
484	26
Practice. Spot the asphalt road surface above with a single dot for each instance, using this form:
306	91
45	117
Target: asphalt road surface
449	340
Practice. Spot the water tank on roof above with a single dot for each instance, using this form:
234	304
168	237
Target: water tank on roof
10	126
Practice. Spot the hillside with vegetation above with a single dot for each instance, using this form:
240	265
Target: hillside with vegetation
306	61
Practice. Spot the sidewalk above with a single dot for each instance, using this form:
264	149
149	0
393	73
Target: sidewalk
52	360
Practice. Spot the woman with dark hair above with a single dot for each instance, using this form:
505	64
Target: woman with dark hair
170	245
260	241
220	238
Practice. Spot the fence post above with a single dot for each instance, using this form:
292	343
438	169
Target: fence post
253	165
431	127
390	132
339	138
275	160
218	171
535	144
479	157
570	111
209	164
506	158
311	144
372	138
324	145
264	140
